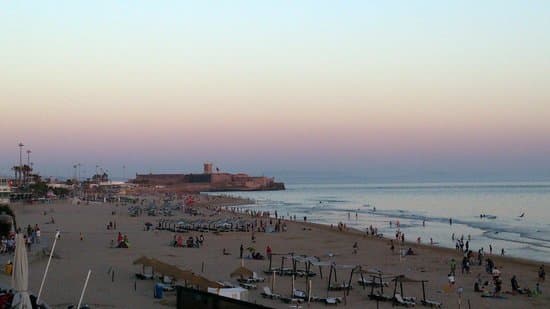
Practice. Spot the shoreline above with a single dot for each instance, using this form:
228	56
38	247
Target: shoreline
482	236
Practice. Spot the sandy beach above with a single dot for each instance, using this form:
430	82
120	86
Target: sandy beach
76	256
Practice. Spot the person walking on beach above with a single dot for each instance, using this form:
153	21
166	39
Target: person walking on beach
355	247
542	273
465	265
453	266
490	249
241	251
37	235
392	247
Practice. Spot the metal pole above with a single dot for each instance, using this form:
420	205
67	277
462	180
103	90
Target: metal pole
309	293
47	267
20	163
273	282
84	289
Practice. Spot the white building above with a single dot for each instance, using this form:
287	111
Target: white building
5	191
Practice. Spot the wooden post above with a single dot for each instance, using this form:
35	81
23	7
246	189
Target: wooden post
423	291
349	282
329	278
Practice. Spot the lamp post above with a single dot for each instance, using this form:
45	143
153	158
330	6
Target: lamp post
29	157
20	162
79	165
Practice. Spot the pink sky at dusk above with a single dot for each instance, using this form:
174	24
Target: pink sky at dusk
273	88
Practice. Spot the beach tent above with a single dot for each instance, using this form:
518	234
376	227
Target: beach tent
171	270
333	270
242	272
143	260
20	275
203	284
399	280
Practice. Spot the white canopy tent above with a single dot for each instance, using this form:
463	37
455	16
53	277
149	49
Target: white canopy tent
20	275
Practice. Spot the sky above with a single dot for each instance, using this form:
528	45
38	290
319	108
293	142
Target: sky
395	90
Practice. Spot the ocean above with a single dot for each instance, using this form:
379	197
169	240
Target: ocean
424	209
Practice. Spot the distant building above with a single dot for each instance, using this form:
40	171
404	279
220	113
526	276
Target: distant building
208	181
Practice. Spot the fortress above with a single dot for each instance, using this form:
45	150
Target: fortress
209	181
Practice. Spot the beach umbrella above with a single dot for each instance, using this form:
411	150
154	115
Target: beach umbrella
242	272
167	269
203	284
20	275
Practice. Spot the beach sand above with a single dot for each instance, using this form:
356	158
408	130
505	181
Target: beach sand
67	273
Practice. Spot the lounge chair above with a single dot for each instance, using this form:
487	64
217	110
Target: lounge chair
143	276
369	282
380	297
431	303
299	294
253	279
398	299
340	287
256	278
248	286
226	284
328	300
291	300
268	294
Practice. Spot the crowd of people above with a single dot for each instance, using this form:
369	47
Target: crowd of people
190	242
32	236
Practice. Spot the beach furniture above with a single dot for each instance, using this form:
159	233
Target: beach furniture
398	299
340	287
248	286
371	282
332	300
430	303
299	294
268	294
379	296
426	302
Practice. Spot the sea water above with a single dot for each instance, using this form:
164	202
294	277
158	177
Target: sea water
424	210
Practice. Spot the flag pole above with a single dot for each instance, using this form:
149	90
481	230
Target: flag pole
84	288
47	267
